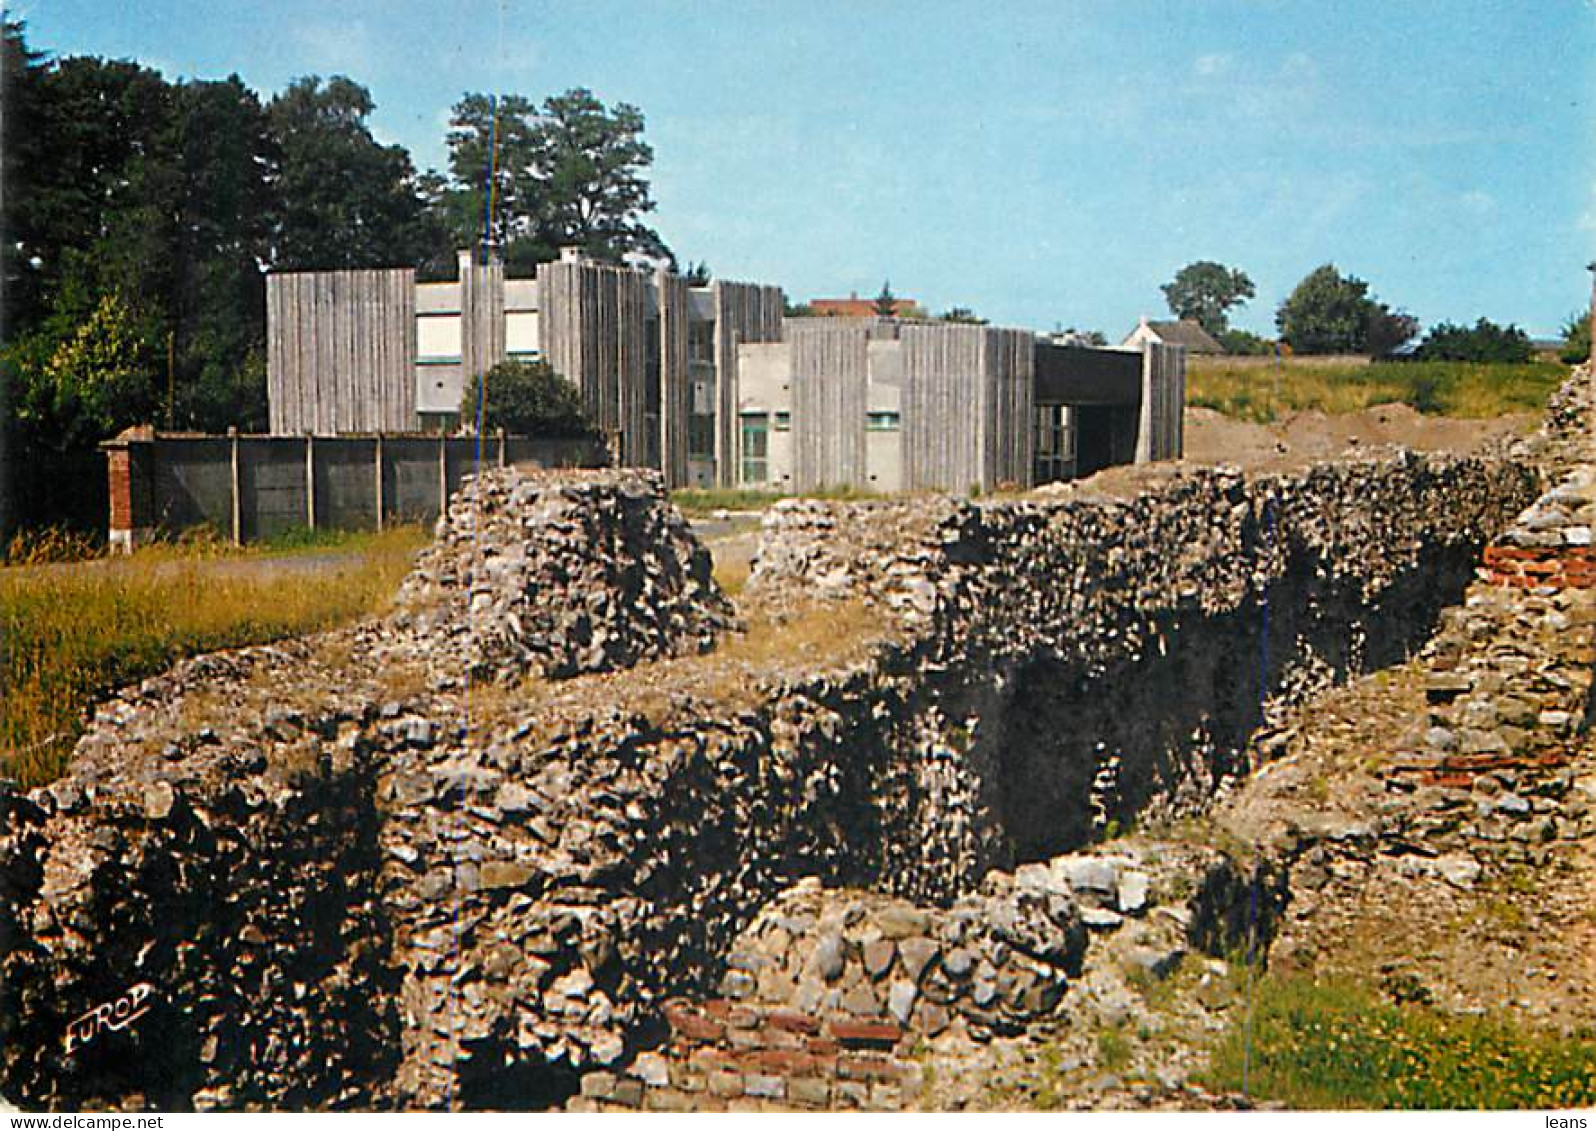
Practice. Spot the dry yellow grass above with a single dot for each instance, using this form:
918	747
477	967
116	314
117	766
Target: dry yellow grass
813	636
71	633
1260	390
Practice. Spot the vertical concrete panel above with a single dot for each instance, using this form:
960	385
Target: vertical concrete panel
675	384
340	351
830	372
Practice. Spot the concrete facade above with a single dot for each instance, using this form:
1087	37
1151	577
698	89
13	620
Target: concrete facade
714	386
885	405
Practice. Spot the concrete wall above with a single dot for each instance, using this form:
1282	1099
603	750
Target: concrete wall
340	351
764	385
890	406
254	487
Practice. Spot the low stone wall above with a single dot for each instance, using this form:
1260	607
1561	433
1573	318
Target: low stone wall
1549	545
1516	708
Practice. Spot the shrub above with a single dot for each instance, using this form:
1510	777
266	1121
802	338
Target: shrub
529	399
1243	343
1576	338
1485	341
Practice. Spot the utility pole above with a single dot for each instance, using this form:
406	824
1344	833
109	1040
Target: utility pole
1591	267
171	379
1590	356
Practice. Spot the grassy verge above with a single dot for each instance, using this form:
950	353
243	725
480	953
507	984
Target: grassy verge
1264	393
71	633
1338	1045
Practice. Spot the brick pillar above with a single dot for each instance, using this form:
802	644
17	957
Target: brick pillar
130	469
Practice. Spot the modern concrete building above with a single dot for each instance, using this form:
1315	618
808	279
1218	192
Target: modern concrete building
713	386
893	405
369	351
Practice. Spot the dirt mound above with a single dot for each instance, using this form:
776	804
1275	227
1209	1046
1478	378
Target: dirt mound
1310	437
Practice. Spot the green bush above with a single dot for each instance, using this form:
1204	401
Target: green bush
1485	341
1242	343
1576	338
529	399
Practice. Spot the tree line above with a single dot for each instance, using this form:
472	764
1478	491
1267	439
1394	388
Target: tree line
142	215
1332	313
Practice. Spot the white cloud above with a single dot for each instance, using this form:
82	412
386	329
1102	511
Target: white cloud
1477	202
1587	218
1208	66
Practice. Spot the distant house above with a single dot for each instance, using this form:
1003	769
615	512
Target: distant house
1186	332
855	307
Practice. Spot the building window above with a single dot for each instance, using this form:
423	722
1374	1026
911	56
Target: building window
701	342
783	422
700	437
756	447
1055	443
438	423
882	422
438	337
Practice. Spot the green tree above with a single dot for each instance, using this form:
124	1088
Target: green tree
220	198
346	200
85	373
1485	341
99	379
573	173
526	398
697	274
1333	313
590	164
490	144
1243	343
1576	338
92	125
24	166
886	304
1205	291
961	314
1386	329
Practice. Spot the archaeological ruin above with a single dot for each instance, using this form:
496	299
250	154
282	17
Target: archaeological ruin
571	826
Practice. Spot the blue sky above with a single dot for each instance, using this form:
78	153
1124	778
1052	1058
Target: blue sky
1046	164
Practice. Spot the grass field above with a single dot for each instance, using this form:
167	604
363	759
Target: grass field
71	633
1318	1045
1254	389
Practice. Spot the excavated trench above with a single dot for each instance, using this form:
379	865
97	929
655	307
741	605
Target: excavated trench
1085	751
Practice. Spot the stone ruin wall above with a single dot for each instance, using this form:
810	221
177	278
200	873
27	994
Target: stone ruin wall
375	896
